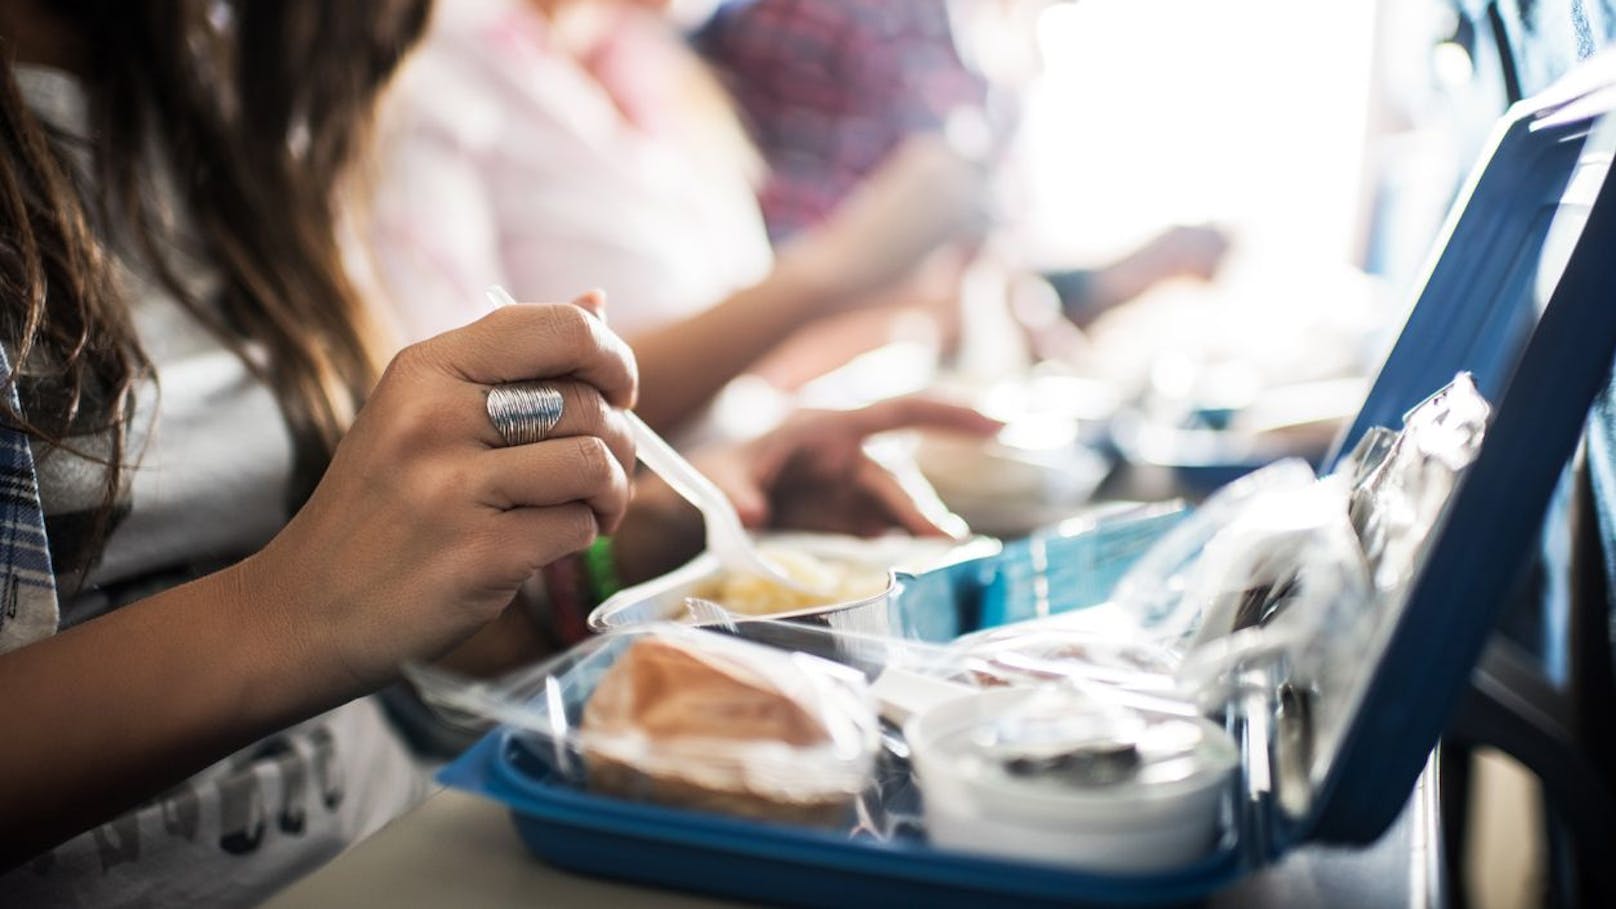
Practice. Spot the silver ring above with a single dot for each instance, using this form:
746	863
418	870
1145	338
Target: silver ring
524	412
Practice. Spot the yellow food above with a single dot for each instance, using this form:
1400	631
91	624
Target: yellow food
832	582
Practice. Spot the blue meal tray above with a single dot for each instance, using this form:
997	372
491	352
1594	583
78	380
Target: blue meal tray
1540	343
666	847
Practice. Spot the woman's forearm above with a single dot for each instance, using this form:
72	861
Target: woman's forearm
685	364
421	531
113	711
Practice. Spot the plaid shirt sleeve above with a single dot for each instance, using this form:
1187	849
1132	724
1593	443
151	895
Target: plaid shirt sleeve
831	87
28	610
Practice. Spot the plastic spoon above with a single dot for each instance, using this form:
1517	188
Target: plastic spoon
727	538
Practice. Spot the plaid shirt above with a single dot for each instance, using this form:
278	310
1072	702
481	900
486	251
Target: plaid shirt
831	87
28	609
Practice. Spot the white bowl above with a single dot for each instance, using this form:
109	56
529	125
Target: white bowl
1136	825
1006	489
663	599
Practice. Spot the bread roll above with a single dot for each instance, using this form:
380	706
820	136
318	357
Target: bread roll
682	726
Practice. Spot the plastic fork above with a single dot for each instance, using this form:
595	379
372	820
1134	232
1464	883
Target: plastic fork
727	538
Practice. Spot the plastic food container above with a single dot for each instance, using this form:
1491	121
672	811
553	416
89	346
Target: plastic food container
668	598
1050	775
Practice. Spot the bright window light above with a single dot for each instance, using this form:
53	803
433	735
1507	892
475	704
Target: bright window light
1245	112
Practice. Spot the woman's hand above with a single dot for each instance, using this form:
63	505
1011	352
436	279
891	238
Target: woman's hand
426	523
811	473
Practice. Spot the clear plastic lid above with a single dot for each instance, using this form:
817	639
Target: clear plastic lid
1056	758
1050	650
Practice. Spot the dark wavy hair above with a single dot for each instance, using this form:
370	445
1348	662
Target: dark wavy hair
261	107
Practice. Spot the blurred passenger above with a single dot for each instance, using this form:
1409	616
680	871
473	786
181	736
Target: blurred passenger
553	144
831	87
1178	252
202	585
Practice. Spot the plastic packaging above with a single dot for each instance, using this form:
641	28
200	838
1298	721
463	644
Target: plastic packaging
1153	590
1284	578
1398	501
1297	584
690	718
1404	482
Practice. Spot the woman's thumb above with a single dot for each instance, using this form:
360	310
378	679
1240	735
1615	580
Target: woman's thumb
593	302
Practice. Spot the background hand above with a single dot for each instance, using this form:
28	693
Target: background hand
812	473
1178	252
1184	252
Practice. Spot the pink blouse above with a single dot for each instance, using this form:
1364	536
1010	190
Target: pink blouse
505	160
